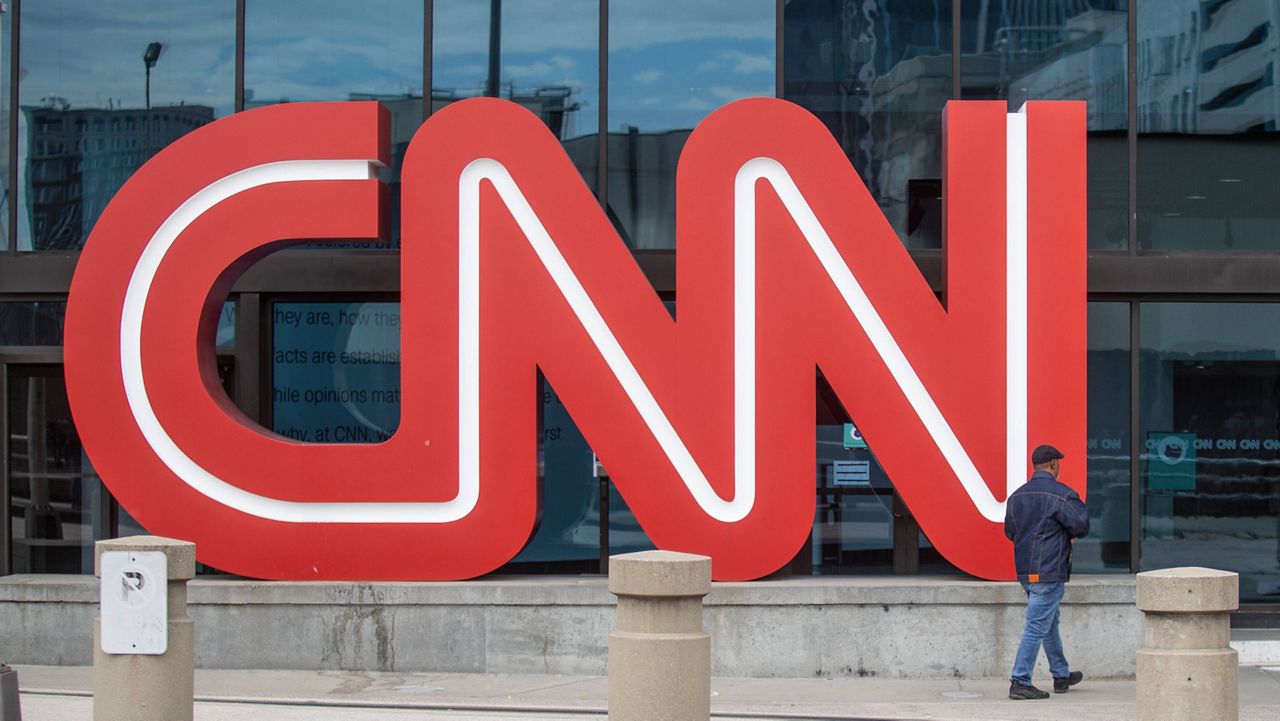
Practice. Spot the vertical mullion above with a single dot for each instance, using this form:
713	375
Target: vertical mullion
1131	81
108	510
15	20
956	17
779	47
602	191
602	120
1135	443
428	47
493	79
264	337
239	92
6	529
248	355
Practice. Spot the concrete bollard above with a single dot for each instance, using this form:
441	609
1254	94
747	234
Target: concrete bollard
10	707
161	687
1187	670
659	658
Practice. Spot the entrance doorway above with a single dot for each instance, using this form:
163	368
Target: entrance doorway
55	504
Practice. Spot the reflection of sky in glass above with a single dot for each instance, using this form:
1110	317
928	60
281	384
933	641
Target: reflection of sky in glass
329	49
84	81
90	53
544	43
671	62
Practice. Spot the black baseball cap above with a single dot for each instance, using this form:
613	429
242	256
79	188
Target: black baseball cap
1044	454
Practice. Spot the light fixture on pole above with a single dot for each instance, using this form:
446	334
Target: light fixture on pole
149	58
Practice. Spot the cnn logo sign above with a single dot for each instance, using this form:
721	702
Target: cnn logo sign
509	267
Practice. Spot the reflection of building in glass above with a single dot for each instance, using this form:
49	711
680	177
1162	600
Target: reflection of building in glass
79	157
554	104
1209	110
557	105
1208	67
642	194
877	75
1066	50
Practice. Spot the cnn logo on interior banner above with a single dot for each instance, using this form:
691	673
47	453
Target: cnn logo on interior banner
509	267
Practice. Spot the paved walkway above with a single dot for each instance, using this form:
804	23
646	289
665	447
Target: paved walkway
63	694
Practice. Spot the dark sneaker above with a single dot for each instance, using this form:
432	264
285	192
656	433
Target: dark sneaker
1063	685
1018	692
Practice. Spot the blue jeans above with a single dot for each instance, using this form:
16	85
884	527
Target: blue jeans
1041	629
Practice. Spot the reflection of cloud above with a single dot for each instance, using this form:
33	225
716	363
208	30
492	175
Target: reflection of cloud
539	26
648	77
727	94
91	53
741	63
520	72
529	26
541	69
640	23
697	104
696	77
327	50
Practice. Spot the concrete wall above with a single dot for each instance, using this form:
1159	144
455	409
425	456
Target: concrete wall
897	627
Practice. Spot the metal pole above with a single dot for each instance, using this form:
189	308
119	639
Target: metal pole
495	48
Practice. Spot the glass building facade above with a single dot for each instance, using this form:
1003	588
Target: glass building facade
1184	229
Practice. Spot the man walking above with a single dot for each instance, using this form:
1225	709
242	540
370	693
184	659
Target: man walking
1043	518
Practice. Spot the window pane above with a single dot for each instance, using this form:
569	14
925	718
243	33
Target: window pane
1107	545
225	337
671	62
56	500
307	50
105	86
853	523
336	371
32	322
1062	51
1210	420
878	76
569	526
1209	124
548	62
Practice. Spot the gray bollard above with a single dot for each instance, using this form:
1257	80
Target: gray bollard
10	708
131	687
1187	671
659	658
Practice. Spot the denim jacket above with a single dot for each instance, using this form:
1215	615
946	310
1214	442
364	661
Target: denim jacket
1041	518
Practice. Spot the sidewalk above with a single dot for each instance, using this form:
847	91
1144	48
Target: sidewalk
51	693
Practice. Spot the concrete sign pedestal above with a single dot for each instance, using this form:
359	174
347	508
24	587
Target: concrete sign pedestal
659	658
158	687
1187	670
